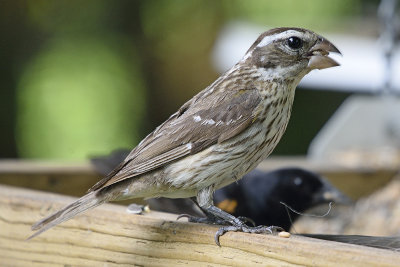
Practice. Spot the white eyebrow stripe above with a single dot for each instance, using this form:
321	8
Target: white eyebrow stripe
269	39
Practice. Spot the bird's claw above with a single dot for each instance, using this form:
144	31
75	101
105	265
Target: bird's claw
238	226
261	229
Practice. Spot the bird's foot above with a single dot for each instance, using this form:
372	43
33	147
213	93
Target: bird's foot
261	229
214	220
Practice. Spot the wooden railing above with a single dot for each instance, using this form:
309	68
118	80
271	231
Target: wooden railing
108	236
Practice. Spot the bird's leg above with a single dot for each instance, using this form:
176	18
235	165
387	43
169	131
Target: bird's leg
211	218
222	221
205	201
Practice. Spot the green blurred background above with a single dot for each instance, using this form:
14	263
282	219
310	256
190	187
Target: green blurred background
82	78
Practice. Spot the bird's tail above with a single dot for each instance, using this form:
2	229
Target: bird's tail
84	203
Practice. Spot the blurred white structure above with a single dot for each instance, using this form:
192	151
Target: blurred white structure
362	65
364	128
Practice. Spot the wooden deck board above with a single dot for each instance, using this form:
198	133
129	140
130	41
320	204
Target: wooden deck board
109	236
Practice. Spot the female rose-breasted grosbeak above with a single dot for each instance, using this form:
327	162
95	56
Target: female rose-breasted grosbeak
217	136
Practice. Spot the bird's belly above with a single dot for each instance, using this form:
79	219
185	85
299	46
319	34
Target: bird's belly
222	164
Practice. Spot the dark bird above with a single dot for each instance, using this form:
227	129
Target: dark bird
219	135
258	195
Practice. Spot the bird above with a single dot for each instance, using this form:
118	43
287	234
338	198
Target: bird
259	195
217	136
263	196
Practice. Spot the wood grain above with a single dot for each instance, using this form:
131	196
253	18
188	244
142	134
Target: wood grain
108	236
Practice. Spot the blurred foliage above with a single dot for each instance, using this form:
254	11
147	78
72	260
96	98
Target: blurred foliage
87	77
72	16
179	37
180	23
79	97
313	14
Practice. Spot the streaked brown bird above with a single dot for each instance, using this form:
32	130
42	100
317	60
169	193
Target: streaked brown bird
219	135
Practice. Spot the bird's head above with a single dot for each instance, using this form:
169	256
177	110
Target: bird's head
290	53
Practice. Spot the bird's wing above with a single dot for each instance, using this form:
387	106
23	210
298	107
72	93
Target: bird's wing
200	123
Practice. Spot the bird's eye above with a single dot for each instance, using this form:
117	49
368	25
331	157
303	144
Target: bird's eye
294	42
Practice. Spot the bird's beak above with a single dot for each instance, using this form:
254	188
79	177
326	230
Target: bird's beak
328	193
318	55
